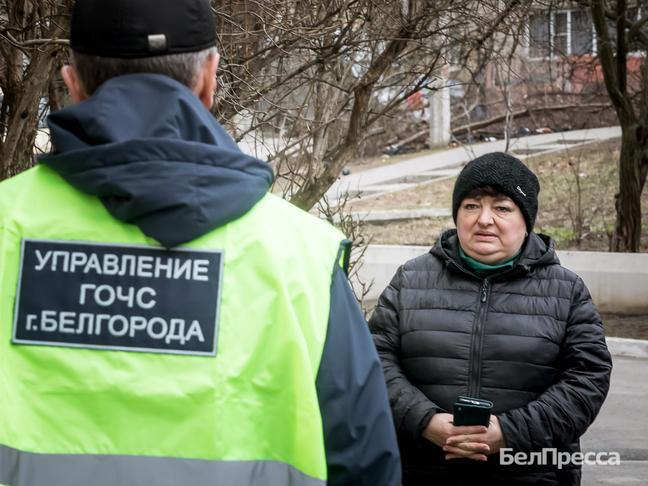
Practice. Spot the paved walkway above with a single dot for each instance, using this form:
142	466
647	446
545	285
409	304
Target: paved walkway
447	163
622	426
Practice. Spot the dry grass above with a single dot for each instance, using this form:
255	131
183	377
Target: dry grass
423	231
427	195
632	327
596	167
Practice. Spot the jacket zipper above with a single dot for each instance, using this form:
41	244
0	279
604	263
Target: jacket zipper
475	364
474	377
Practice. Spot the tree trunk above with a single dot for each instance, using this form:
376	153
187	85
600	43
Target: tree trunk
38	27
315	187
627	236
18	149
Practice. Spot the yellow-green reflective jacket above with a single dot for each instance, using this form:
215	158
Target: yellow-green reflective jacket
250	414
240	357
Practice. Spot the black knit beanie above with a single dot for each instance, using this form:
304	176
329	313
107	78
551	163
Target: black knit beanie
505	174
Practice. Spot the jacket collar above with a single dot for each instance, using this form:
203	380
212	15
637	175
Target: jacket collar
538	251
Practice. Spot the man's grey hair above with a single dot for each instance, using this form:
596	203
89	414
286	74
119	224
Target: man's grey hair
95	70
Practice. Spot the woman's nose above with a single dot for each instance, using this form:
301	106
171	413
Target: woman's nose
485	216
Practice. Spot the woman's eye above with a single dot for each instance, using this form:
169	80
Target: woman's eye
470	206
503	209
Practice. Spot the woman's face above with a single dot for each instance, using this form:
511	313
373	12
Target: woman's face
490	229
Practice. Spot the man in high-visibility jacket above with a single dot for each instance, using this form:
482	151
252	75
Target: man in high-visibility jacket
164	320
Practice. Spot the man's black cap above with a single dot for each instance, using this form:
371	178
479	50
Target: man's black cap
141	28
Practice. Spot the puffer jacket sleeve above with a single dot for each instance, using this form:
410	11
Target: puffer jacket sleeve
411	408
561	414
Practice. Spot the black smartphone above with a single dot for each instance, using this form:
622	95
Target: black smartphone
471	411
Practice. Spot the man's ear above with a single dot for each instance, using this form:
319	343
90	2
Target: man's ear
73	83
206	84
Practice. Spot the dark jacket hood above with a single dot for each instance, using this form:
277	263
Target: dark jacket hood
156	157
538	250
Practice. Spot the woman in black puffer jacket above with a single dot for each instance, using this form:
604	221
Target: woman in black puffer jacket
490	313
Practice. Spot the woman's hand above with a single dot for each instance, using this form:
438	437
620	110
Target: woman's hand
471	445
440	429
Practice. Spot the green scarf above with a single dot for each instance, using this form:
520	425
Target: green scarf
482	269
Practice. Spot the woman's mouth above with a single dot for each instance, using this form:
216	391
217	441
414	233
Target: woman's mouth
485	236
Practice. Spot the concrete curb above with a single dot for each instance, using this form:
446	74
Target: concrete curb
630	348
617	282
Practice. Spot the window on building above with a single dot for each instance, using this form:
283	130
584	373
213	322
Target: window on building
582	34
634	15
539	40
561	33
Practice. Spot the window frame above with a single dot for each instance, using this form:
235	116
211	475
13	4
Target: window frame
552	35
